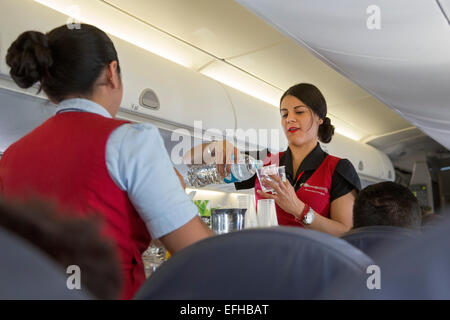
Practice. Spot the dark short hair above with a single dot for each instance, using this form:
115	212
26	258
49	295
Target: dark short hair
65	61
386	204
314	99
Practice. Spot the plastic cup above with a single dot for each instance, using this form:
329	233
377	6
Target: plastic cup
267	213
251	217
266	172
282	173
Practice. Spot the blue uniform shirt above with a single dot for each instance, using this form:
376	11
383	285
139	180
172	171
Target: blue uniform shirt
138	163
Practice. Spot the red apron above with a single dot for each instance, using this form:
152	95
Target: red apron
315	191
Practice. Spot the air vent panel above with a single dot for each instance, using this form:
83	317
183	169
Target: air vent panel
149	100
361	166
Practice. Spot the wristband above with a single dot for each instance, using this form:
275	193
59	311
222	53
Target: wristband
304	212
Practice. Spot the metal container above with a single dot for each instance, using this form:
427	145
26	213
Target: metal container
227	220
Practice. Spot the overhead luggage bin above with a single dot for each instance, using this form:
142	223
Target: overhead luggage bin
369	162
182	96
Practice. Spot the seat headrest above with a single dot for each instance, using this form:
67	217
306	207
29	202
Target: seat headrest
414	269
380	231
272	263
372	240
433	220
28	274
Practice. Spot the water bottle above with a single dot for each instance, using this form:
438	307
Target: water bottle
244	169
201	175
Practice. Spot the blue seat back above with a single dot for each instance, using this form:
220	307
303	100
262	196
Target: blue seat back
272	263
28	274
373	240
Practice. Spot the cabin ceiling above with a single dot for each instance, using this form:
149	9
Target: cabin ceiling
225	41
228	32
396	50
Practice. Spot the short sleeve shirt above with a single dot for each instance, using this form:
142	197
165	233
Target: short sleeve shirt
344	180
138	163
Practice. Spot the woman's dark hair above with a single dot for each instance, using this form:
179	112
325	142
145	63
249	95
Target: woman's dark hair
65	61
313	98
68	240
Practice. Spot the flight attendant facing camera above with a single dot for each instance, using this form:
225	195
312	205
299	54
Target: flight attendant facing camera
320	189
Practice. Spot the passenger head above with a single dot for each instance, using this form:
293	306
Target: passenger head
304	107
68	63
386	204
68	240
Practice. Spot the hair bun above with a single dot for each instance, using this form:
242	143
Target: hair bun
326	130
29	58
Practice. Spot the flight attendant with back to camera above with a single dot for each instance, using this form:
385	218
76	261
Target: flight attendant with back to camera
87	162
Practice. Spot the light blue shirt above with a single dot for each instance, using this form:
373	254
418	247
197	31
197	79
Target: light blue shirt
138	163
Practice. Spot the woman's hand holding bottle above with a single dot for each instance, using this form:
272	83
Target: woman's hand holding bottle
223	153
218	162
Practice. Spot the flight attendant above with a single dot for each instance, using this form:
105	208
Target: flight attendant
320	189
86	161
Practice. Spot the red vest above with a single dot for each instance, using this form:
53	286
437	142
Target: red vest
63	160
315	191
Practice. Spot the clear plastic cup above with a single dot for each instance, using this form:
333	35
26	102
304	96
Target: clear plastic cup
282	173
251	217
266	172
267	213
